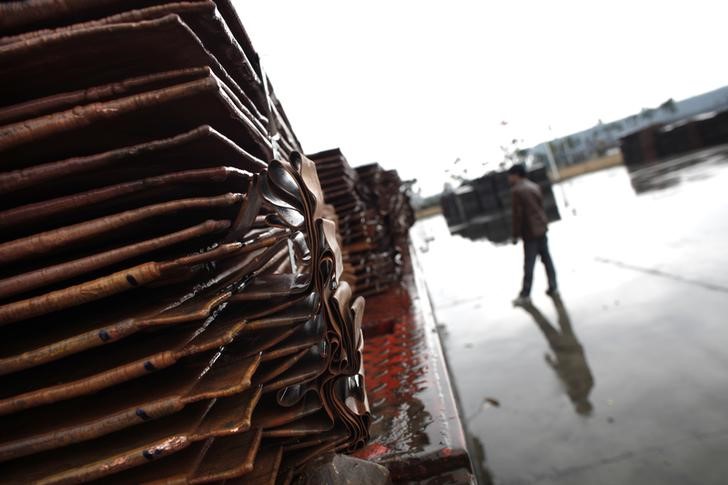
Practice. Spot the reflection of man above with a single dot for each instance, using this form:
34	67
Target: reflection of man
568	360
530	224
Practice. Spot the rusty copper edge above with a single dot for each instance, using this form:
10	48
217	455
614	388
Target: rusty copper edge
191	11
267	466
229	457
34	130
252	263
85	386
105	286
18	179
196	310
230	415
312	424
33	15
204	341
46	14
290	314
276	307
212	339
174	470
254	341
115	464
266	240
210	388
274	368
302	457
82	293
108	332
168	24
273	286
59	272
274	415
38	244
246	214
220	381
274	262
276	253
200	16
219	252
60	205
59	102
293	444
156	442
297	375
293	345
100	457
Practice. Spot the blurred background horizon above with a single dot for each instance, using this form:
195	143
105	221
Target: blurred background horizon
417	86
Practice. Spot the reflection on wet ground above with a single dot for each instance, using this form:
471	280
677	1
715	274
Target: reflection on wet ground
568	360
639	397
670	173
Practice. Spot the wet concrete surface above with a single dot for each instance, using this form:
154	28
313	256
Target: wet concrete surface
623	381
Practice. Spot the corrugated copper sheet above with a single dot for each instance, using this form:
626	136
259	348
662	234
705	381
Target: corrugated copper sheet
171	301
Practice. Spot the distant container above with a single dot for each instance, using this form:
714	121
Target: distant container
481	208
662	141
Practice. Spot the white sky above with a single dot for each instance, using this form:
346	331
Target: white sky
414	85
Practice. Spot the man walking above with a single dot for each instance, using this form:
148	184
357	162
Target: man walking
530	224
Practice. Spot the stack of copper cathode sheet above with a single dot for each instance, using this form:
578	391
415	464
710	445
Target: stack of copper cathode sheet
171	301
391	196
340	183
385	253
374	217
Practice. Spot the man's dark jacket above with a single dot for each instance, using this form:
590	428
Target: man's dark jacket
529	218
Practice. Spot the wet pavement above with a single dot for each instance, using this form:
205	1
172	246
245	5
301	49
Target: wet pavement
625	379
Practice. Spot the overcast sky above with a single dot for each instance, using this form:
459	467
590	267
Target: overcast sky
414	85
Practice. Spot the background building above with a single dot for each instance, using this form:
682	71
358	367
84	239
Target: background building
597	141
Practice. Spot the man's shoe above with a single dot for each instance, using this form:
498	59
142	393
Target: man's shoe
522	301
553	293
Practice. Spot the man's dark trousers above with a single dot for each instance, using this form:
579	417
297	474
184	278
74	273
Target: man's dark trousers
532	248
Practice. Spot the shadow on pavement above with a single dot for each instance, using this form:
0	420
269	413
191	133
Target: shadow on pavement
568	359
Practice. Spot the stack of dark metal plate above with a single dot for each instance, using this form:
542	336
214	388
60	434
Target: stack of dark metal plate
341	191
374	217
340	182
659	142
481	208
389	245
171	302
